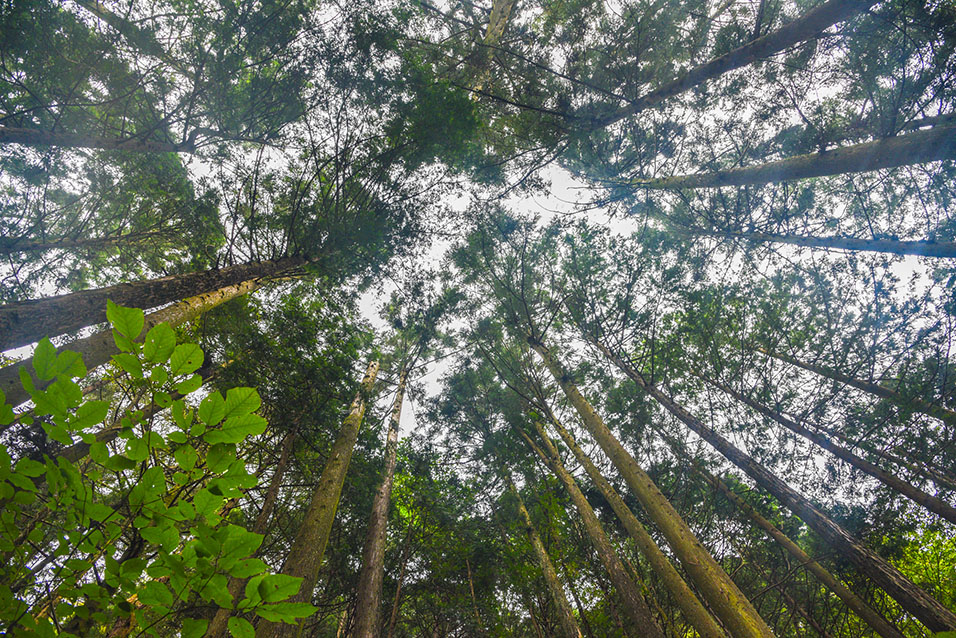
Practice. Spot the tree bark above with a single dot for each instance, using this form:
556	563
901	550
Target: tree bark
569	627
919	147
98	348
218	625
856	604
368	601
729	603
925	407
305	555
635	607
23	322
801	29
945	249
693	610
910	597
930	502
35	137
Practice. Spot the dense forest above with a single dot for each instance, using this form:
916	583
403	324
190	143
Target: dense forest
571	319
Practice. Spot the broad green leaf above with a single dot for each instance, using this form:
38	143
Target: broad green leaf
186	359
130	364
193	628
248	567
241	628
126	321
212	409
31	468
159	344
44	360
137	450
277	587
236	429
155	593
240	401
91	413
286	612
186	456
70	364
191	384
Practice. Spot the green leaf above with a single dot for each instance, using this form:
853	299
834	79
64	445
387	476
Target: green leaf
44	360
193	628
130	364
241	628
91	413
31	468
278	587
159	344
126	321
186	456
186	359
212	409
240	401
248	567
70	363
236	429
155	593
286	612
158	375
217	590
191	384
220	457
137	450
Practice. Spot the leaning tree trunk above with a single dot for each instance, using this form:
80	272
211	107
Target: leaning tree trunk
930	502
694	611
98	348
568	626
35	137
910	597
23	322
856	604
17	245
219	624
729	603
800	30
918	405
889	246
305	555
635	607
368	599
919	147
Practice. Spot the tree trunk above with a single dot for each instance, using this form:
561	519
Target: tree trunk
98	348
474	601
925	407
912	598
17	245
729	603
693	610
635	607
23	322
930	502
368	601
919	147
393	619
801	29
569	627
856	604
305	555
890	246
218	625
35	137
577	603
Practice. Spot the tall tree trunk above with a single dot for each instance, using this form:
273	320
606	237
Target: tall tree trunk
393	618
919	147
98	348
635	607
801	29
474	601
305	555
693	610
856	604
368	601
35	137
17	245
890	246
911	597
925	407
728	602
577	603
218	625
23	322
569	627
930	502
